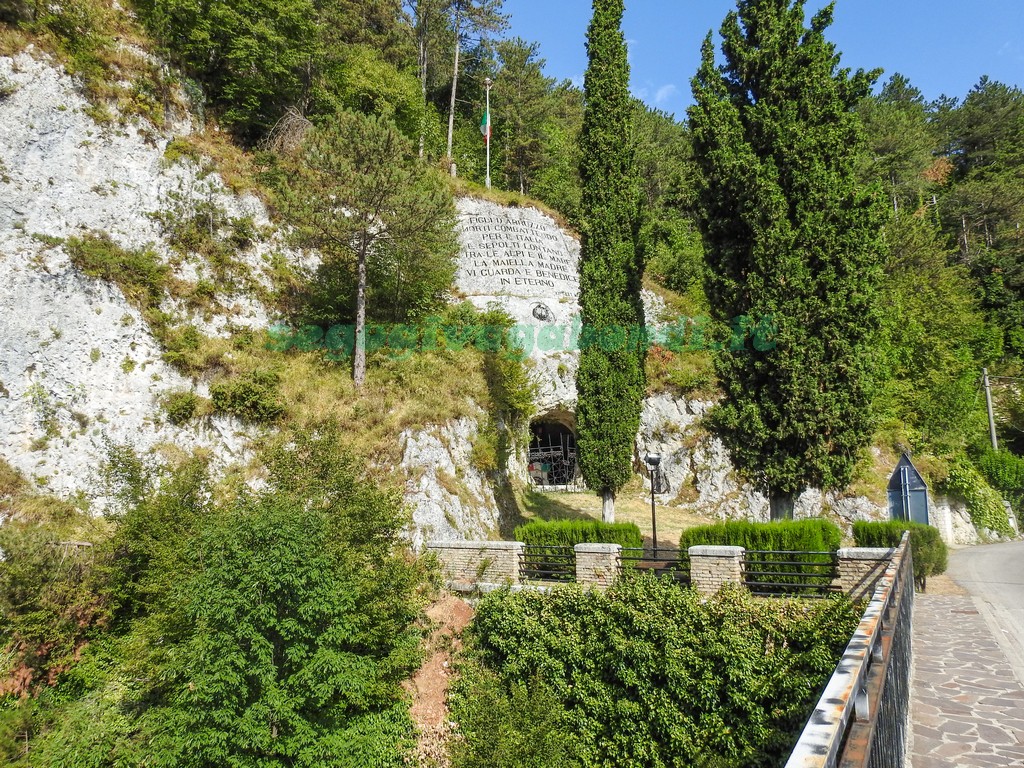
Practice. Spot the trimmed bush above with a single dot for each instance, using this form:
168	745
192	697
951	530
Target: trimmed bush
926	546
814	535
787	535
569	533
549	565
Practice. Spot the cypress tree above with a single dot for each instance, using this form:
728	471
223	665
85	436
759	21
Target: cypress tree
610	381
791	240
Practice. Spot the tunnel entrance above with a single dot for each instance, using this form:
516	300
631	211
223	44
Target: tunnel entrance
552	453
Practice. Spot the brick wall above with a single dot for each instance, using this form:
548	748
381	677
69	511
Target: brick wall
860	569
470	564
711	567
598	564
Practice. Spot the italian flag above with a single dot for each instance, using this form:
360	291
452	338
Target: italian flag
485	126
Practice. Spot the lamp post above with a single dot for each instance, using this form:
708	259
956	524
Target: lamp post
652	460
487	89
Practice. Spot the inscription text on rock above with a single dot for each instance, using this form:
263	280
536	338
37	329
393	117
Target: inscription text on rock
516	256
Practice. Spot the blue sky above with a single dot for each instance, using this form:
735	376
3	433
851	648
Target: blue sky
943	46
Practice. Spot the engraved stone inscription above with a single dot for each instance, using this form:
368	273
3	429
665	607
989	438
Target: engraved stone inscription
517	256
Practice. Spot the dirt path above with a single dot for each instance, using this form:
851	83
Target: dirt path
429	686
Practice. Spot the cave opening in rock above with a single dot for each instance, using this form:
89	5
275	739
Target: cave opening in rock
552	452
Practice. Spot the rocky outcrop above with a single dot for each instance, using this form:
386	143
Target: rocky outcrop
953	520
79	368
450	499
696	471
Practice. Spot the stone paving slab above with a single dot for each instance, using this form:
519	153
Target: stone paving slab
967	707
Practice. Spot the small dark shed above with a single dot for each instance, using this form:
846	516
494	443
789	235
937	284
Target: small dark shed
908	493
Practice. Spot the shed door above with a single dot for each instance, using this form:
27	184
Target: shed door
907	502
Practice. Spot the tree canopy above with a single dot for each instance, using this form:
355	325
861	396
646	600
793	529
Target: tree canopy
610	380
356	192
792	240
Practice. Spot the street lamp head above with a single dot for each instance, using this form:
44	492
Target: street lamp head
653	460
488	82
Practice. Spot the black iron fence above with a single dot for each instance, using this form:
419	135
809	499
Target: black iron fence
862	718
670	563
880	732
789	574
548	563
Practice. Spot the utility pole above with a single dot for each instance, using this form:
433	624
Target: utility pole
988	402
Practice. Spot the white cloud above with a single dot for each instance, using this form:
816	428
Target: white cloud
1011	50
665	93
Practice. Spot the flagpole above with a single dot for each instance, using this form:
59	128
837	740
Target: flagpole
487	89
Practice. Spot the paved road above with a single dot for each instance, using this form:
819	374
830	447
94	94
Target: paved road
967	698
994	575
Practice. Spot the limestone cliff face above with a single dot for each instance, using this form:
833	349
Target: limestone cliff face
78	365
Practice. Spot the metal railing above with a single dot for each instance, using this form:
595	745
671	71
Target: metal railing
548	563
786	573
670	563
861	719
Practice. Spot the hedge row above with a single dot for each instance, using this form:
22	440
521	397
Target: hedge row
814	535
926	546
569	533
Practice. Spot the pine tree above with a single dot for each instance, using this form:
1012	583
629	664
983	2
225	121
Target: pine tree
523	97
790	238
610	381
355	192
480	17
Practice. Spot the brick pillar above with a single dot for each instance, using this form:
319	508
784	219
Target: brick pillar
469	564
859	570
597	564
711	567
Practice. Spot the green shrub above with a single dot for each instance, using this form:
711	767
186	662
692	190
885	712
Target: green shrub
984	504
927	548
222	606
139	274
485	454
815	535
252	396
569	533
188	350
1004	471
182	406
518	727
648	674
49	601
